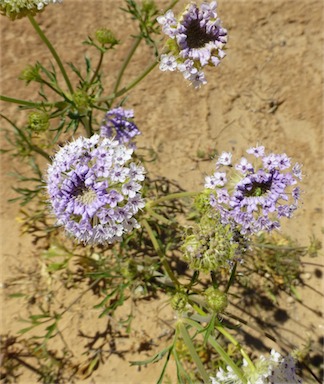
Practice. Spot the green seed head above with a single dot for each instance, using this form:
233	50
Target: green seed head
216	300
30	73
105	36
38	121
179	301
210	244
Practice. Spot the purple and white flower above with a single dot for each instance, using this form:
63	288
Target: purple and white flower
94	189
254	195
196	40
274	369
118	124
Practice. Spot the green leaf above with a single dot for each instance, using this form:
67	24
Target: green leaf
153	359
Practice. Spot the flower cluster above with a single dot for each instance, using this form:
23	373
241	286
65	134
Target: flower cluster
94	189
210	245
274	370
196	40
118	124
258	194
16	9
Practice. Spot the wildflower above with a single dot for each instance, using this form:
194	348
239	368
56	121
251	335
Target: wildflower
195	41
273	370
86	184
255	194
119	123
16	9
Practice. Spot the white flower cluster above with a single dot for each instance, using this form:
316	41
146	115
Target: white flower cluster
16	9
274	370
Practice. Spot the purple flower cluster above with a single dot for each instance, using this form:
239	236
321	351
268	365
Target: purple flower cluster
196	40
94	189
118	123
257	196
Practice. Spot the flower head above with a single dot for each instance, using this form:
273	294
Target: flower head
118	123
94	189
16	9
254	194
195	41
274	369
210	245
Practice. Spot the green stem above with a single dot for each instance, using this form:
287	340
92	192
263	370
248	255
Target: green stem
232	339
41	152
158	217
52	50
172	196
93	78
130	86
32	104
158	250
187	339
87	126
94	283
126	62
222	353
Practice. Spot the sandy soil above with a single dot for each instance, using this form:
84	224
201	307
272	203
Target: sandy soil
268	90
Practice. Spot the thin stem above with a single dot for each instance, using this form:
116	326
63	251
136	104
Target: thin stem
232	339
187	339
32	104
172	196
158	250
52	50
93	78
222	353
31	146
41	152
126	62
158	217
130	86
86	125
80	296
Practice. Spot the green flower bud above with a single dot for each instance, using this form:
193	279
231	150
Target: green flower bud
30	73
179	301
216	299
209	245
38	121
202	203
81	101
105	36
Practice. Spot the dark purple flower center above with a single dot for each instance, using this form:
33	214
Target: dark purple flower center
197	37
258	189
78	188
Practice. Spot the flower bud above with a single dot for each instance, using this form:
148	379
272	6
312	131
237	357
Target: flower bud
105	36
179	301
81	101
216	299
210	245
30	73
38	121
